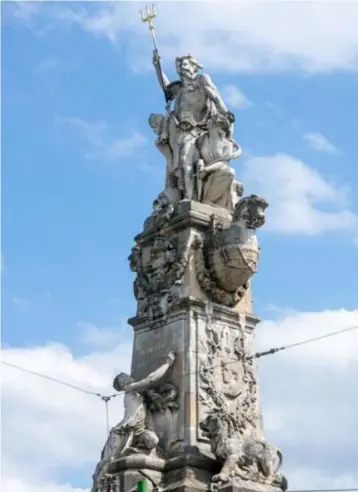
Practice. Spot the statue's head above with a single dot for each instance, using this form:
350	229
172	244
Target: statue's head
251	209
220	125
122	381
187	67
156	122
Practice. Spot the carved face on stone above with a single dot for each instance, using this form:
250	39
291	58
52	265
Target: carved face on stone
163	254
134	259
232	378
187	67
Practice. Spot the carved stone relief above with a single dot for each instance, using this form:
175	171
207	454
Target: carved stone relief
227	258
159	265
228	410
226	377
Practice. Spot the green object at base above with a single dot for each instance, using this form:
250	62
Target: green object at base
142	486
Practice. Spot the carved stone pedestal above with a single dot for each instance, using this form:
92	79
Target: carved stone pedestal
210	342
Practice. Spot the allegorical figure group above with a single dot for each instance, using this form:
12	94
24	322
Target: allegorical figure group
196	138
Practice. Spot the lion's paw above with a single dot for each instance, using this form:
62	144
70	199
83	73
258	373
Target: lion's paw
220	477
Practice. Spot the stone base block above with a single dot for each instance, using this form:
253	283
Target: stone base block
127	480
246	486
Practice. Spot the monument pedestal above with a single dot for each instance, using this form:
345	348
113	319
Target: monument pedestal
190	330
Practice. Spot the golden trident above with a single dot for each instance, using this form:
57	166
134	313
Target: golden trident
148	17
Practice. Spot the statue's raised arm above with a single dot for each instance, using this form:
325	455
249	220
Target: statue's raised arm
162	78
170	89
121	382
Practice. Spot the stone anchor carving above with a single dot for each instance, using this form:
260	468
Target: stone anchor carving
132	434
228	258
243	457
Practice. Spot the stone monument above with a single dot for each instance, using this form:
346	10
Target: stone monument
192	416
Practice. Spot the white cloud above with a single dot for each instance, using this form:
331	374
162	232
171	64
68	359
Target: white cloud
235	98
16	484
20	303
101	142
319	142
67	426
244	36
25	11
301	200
307	394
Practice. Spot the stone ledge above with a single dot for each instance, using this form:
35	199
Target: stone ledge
192	305
189	214
247	487
135	462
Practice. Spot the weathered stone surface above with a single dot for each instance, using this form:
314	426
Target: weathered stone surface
192	416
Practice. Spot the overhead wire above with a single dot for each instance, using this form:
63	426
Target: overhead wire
55	380
104	398
304	342
257	355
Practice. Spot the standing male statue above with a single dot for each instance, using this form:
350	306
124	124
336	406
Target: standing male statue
196	100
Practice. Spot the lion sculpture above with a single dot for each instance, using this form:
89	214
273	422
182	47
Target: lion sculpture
242	456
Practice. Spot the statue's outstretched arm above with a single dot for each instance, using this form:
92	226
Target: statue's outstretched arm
162	78
213	93
154	376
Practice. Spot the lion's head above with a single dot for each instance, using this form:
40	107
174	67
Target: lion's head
211	425
251	209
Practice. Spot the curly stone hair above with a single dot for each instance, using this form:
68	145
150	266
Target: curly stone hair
121	382
179	60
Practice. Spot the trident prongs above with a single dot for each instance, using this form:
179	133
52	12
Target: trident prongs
149	16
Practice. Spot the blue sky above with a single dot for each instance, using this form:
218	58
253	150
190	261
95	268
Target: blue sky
80	169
